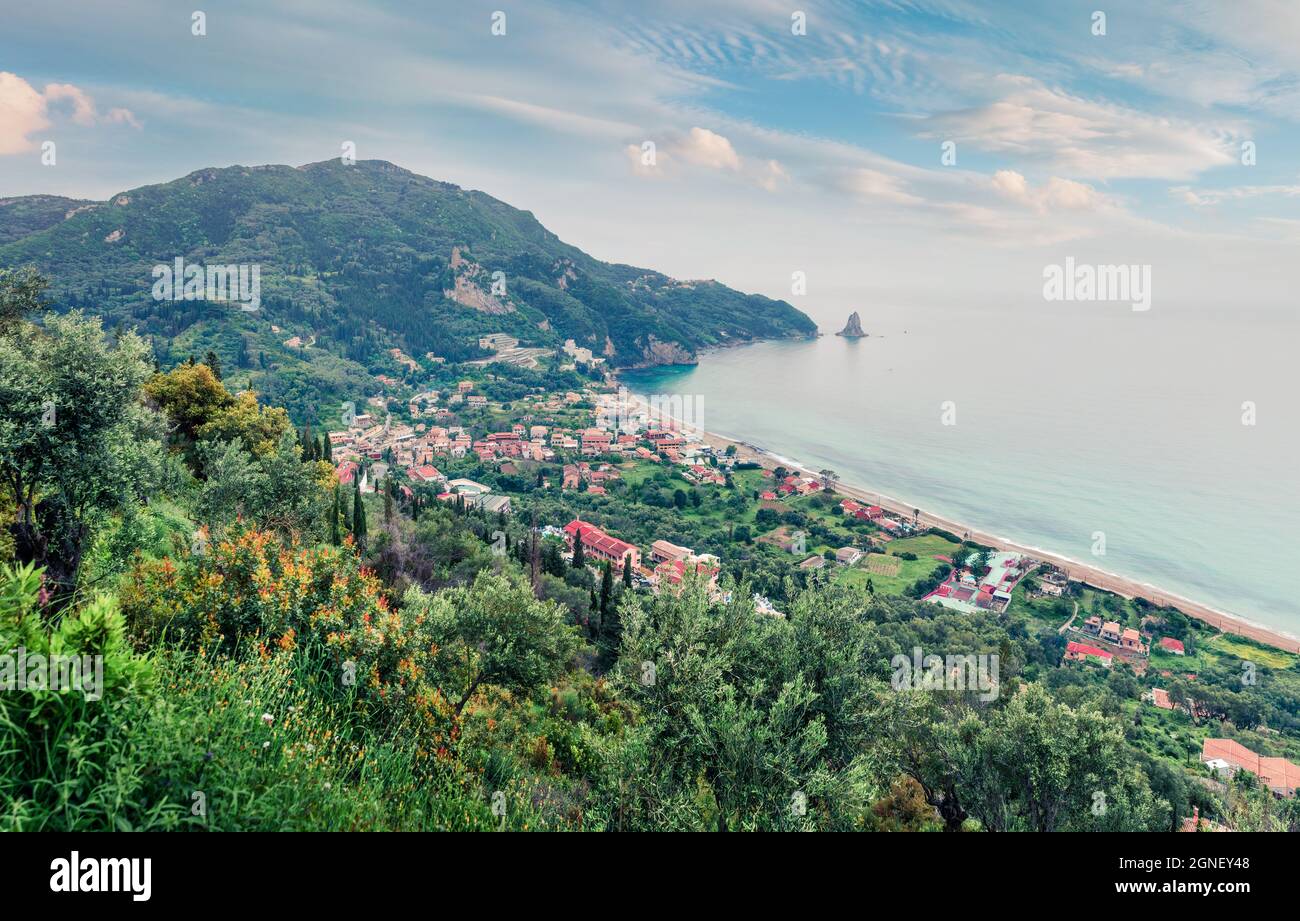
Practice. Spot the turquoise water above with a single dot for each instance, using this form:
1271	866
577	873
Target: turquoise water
1104	420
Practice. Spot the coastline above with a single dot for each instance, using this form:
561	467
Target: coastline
1079	572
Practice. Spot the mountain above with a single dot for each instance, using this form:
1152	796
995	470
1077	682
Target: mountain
21	217
853	328
359	259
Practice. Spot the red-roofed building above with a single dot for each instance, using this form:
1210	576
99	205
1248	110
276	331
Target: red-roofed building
426	473
1078	652
670	573
1278	774
347	472
1169	644
596	543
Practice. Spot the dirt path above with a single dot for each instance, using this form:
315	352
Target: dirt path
1066	626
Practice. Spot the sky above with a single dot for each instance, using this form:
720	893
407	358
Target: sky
930	152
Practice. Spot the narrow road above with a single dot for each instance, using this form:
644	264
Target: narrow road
1066	626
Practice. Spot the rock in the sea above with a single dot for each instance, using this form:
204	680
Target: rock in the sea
853	328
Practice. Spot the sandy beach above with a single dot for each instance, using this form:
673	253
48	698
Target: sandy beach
1081	572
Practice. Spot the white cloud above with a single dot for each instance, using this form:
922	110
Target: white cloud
874	185
1056	194
1079	137
706	148
1208	197
24	111
22	114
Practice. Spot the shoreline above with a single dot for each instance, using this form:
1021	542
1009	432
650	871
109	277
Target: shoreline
1124	586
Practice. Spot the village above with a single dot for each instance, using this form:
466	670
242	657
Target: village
593	440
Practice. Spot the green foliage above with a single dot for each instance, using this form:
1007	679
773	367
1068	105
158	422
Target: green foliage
75	440
360	258
62	764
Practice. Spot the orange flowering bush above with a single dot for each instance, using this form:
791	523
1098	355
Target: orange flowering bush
252	593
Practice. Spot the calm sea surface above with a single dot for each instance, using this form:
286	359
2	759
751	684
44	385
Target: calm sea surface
1111	420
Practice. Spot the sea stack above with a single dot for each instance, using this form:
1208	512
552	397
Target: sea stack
853	328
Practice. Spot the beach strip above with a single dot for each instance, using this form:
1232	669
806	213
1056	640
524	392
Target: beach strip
1079	572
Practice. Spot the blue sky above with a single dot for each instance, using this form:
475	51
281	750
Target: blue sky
775	151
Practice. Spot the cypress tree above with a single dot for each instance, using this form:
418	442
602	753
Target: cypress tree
606	589
627	571
358	516
334	520
579	558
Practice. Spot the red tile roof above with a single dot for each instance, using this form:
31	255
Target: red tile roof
1085	650
1278	774
593	538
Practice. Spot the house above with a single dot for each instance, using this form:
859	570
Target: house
848	555
1160	697
571	477
595	441
1278	774
1078	652
670	574
495	505
1092	625
1053	582
425	473
465	387
476	400
849	507
1171	645
813	562
1110	632
347	472
596	543
662	551
1131	639
1194	823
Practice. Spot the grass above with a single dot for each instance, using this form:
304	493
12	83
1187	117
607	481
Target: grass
925	546
1273	658
880	565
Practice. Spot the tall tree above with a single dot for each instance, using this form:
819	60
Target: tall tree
606	589
21	295
358	515
75	440
493	632
579	556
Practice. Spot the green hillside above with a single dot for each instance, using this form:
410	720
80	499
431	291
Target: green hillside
357	260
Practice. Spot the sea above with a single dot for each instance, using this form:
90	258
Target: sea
1160	446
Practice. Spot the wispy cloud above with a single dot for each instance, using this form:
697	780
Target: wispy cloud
25	111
